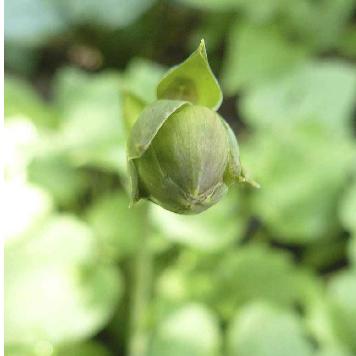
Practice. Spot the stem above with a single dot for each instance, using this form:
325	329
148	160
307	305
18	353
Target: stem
142	273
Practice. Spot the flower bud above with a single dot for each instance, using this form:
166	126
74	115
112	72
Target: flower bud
182	156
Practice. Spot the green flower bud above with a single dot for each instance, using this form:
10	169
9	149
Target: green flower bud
182	156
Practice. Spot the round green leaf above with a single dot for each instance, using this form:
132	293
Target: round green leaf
56	289
248	43
92	131
300	192
264	330
256	272
323	92
117	228
192	330
228	280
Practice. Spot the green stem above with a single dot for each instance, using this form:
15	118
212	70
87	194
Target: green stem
142	273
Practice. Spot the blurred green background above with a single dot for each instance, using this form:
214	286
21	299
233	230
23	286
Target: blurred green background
269	272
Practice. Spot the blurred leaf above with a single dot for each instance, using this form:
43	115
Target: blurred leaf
247	45
191	330
86	349
117	227
216	228
228	280
319	24
265	330
346	44
56	290
256	272
334	350
299	195
38	349
254	10
323	92
20	139
20	59
212	5
90	348
190	278
57	176
26	207
92	130
342	296
132	107
108	13
263	12
352	249
192	80
322	256
31	22
90	106
141	78
317	320
348	208
21	99
212	27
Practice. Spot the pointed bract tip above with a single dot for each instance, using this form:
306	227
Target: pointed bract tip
243	178
253	183
202	48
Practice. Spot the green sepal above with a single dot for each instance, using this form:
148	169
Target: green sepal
143	132
193	81
244	178
233	168
132	106
234	171
149	122
134	190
